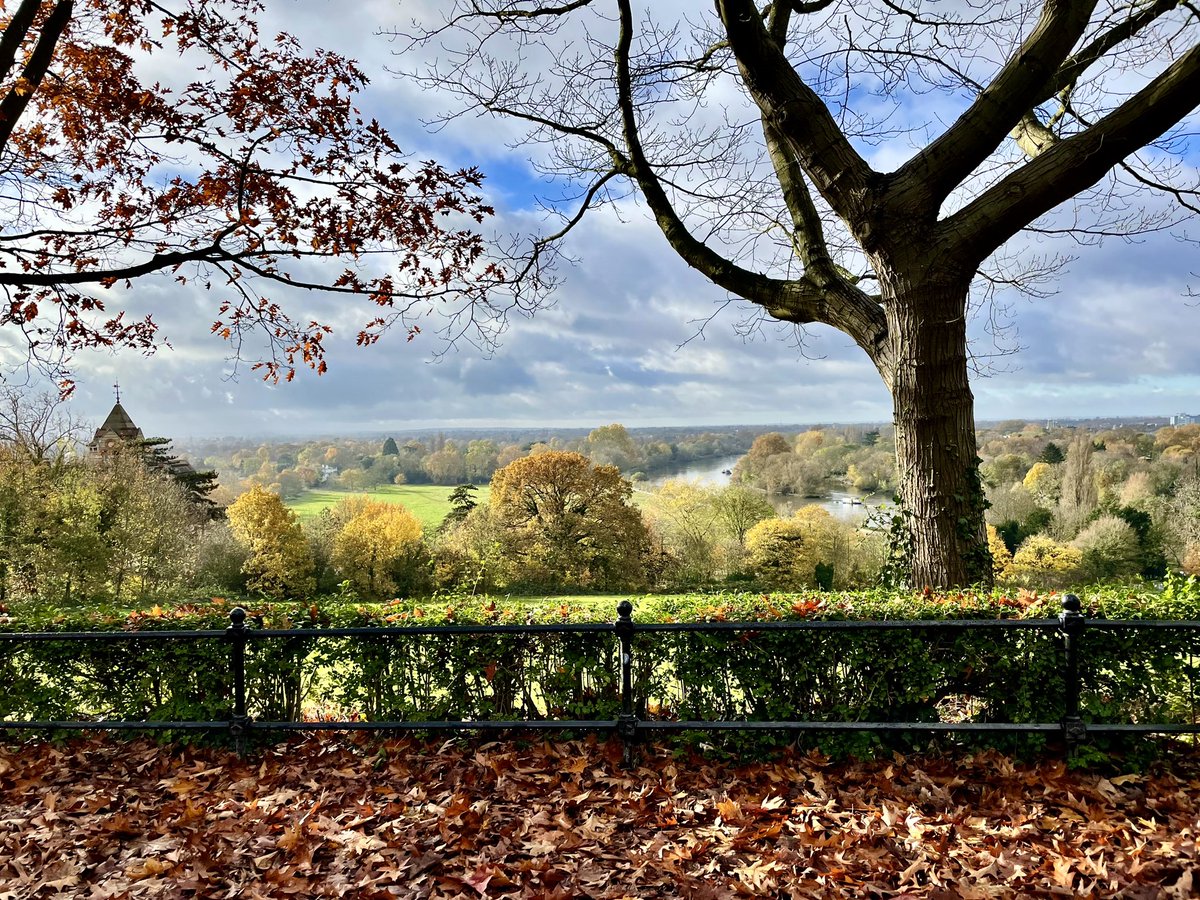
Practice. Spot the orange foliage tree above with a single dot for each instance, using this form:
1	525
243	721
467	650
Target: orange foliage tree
568	522
243	179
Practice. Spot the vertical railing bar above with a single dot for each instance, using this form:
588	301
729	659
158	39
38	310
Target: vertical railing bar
240	721
627	722
1071	625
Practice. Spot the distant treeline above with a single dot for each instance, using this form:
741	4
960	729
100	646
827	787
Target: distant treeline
289	467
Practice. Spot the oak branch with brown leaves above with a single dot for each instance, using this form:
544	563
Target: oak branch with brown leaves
748	131
259	180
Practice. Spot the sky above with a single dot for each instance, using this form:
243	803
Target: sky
629	337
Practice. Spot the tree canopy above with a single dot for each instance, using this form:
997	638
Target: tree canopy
856	165
246	179
569	520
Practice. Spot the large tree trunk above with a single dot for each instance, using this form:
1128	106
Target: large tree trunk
933	410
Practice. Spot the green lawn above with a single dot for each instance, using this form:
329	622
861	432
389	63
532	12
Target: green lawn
428	502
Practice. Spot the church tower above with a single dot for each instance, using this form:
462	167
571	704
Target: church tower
118	429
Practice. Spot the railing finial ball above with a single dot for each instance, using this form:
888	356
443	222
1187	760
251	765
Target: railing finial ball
237	616
1071	603
624	609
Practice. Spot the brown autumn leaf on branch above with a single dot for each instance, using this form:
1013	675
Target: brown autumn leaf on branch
254	176
335	816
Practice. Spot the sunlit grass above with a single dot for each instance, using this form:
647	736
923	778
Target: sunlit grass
428	502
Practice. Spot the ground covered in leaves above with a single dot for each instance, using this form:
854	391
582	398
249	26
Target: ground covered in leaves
334	816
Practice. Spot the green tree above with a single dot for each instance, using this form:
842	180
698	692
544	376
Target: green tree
1078	494
481	460
611	445
151	524
157	455
1052	454
462	501
390	448
685	516
752	133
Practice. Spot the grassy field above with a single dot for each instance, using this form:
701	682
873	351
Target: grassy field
428	502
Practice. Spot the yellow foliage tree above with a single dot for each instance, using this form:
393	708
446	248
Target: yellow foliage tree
684	515
376	547
1001	556
564	521
785	553
1044	481
280	563
1041	561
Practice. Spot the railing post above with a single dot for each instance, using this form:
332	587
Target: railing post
1071	623
239	722
627	722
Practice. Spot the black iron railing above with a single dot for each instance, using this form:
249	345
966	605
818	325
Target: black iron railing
631	721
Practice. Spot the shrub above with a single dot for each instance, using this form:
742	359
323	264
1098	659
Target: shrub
862	675
1110	549
1043	561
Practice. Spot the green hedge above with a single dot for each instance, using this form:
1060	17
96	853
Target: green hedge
978	675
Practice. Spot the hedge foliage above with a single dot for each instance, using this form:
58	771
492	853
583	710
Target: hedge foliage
924	675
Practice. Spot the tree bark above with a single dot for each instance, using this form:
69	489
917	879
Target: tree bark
941	495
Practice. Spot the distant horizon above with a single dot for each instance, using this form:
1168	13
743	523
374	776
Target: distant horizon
553	429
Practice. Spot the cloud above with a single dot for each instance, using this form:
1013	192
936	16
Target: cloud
628	337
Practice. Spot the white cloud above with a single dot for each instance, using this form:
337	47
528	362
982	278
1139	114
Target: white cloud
623	341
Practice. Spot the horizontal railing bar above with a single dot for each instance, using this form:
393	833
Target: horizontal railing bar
114	725
1143	728
444	725
1143	624
851	625
600	725
12	636
1014	727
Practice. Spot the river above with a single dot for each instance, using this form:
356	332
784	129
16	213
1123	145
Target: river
848	505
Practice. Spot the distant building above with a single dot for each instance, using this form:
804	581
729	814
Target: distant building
1184	419
118	429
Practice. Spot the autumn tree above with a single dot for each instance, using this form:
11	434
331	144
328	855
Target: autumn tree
740	508
481	460
611	445
788	553
244	179
279	563
377	548
446	466
757	135
569	522
151	524
1078	495
94	528
37	426
684	516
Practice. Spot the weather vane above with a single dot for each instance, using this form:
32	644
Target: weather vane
117	388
